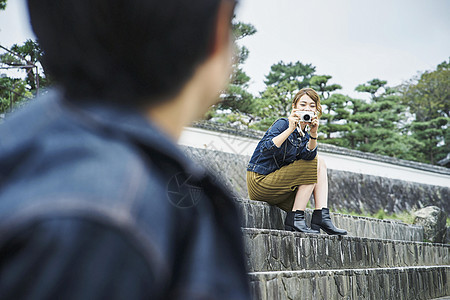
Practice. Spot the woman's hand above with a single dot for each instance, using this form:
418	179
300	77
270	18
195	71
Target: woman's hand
293	120
314	126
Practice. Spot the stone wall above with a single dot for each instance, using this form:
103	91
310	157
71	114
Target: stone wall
229	168
347	190
360	192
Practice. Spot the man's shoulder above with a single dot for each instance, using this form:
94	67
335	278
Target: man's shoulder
123	168
45	154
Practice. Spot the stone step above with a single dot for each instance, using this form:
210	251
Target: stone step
277	250
380	283
258	214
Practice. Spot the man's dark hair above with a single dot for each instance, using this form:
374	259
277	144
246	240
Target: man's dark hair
123	50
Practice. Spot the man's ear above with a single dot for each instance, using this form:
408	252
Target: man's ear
222	32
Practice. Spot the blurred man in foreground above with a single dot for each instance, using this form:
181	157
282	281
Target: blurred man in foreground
96	200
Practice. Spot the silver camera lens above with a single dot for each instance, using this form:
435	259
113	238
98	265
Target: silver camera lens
306	116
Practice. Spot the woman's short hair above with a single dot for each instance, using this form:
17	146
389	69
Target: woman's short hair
124	50
313	95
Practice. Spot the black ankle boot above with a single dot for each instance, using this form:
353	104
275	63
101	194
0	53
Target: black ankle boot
295	221
321	219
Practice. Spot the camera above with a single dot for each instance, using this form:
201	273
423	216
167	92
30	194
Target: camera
305	116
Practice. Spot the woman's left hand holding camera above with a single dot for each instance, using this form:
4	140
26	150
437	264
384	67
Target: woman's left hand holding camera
314	126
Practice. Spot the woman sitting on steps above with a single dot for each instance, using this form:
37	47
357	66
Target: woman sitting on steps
285	170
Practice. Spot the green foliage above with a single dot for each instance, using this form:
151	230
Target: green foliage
13	92
11	60
385	126
241	30
403	216
380	214
2	4
428	98
28	54
320	84
277	99
265	107
17	91
336	115
296	73
371	87
236	100
377	125
433	135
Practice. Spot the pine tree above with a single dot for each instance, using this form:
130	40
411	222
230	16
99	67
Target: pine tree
378	125
336	115
237	103
428	98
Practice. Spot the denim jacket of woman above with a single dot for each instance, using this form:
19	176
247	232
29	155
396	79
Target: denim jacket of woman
268	158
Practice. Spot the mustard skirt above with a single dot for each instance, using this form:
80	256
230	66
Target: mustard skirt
279	187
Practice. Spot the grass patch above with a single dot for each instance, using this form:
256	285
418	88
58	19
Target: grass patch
404	216
352	213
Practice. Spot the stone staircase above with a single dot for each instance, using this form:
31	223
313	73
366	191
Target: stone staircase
378	259
365	264
256	214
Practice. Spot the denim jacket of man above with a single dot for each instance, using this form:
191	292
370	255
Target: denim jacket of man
268	158
96	202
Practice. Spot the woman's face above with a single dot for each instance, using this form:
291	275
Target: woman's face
306	103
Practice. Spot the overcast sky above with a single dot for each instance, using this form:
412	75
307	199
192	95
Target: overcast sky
352	40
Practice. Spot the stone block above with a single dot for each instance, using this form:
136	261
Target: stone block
433	220
275	250
447	235
380	283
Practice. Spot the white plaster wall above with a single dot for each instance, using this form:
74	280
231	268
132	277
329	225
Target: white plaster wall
201	138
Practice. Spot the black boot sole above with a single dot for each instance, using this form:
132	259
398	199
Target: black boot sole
290	228
329	232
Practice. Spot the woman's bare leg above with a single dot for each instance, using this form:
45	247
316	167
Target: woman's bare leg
302	197
321	216
320	189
